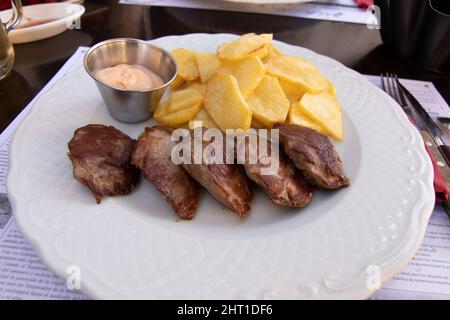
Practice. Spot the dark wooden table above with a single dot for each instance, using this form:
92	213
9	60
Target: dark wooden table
354	45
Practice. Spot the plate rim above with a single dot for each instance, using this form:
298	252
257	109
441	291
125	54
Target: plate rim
14	34
95	287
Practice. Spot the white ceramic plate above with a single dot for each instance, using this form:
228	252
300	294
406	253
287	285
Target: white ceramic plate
135	247
63	16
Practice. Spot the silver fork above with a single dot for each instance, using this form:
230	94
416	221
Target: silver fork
389	83
390	86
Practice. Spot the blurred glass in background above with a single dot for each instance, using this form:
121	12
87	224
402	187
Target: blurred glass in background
418	31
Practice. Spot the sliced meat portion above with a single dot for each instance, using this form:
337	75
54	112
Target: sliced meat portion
153	156
100	157
274	173
224	181
314	155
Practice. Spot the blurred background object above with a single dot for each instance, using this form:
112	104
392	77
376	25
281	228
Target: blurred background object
353	11
6	48
6	4
418	31
45	20
433	40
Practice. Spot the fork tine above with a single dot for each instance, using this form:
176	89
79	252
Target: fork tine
386	84
394	88
382	83
389	86
395	92
399	92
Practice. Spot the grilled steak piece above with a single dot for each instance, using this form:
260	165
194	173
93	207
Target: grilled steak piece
100	157
224	181
282	183
152	155
314	155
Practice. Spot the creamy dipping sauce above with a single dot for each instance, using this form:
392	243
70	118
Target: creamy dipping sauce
131	77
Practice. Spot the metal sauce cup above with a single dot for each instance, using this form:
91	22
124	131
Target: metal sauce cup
126	105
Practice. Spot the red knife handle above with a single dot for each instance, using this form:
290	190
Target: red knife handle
440	161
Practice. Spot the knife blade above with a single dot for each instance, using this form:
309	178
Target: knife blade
426	121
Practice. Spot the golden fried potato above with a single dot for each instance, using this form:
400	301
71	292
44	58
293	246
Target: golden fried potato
162	109
225	103
292	91
324	109
261	53
183	99
269	103
298	71
174	119
183	126
228	66
202	119
257	124
187	64
250	83
331	89
177	82
243	46
248	75
200	87
298	117
208	63
273	52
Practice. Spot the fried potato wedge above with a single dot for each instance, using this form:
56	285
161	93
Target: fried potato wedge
324	109
244	46
196	85
261	53
162	109
257	124
331	89
269	103
226	104
177	82
248	75
298	71
247	83
183	99
292	91
298	117
183	126
177	118
208	63
187	64
273	52
228	66
202	119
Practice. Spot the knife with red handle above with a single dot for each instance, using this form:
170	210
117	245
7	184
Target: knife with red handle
427	121
431	134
